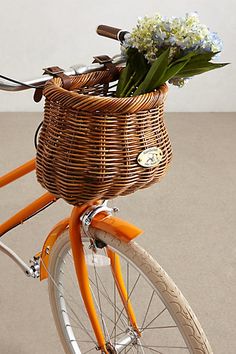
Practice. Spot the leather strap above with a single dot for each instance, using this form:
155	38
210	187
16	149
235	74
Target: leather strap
55	71
38	94
107	62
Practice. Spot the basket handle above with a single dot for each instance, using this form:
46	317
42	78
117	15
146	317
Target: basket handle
112	32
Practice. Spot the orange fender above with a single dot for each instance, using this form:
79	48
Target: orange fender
119	228
50	240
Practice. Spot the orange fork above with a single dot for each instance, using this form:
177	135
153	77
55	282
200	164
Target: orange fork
82	275
83	280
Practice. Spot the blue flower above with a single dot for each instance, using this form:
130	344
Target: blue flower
182	33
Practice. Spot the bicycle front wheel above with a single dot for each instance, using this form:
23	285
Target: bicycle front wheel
166	322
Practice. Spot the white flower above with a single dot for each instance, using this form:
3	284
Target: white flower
185	34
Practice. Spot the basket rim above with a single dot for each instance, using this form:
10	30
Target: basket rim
53	91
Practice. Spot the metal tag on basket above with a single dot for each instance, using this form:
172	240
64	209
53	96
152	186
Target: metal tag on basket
150	157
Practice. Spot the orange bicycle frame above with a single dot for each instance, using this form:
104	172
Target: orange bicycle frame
30	209
115	226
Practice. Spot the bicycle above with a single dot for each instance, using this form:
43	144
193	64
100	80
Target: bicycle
125	301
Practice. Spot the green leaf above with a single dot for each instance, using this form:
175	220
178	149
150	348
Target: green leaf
172	71
157	69
199	60
204	56
123	79
183	58
140	67
136	69
198	69
196	56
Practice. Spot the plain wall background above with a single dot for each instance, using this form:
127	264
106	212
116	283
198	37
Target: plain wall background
37	34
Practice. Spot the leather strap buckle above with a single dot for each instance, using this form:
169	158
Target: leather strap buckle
53	70
102	59
108	65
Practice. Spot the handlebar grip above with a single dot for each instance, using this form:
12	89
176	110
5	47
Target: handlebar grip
111	32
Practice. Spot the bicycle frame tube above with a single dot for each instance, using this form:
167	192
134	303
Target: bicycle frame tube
30	209
17	173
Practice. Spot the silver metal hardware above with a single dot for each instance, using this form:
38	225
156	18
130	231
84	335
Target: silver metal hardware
83	69
130	338
124	34
90	213
73	70
115	210
35	266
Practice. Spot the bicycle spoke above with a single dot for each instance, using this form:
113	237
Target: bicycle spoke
99	306
117	335
140	345
126	351
159	327
136	282
105	330
148	307
72	299
160	333
164	347
107	297
105	315
75	284
60	293
89	350
116	309
160	313
77	320
96	285
127	287
152	350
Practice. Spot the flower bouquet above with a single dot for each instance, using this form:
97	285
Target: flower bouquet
161	49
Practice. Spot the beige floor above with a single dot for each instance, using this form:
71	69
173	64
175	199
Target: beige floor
189	222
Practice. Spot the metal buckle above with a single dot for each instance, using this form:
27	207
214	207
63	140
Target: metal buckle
55	70
102	59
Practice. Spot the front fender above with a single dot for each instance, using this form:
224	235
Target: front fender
119	228
48	244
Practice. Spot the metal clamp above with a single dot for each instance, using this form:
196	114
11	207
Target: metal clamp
91	212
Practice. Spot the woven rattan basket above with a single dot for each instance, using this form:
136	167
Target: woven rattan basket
93	145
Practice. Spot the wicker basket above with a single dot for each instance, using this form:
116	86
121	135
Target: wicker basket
95	146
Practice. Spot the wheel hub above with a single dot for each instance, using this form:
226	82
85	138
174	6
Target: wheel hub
130	338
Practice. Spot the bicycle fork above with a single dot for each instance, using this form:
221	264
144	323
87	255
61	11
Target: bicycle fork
83	280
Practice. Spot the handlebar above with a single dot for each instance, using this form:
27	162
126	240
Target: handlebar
102	30
112	32
74	70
